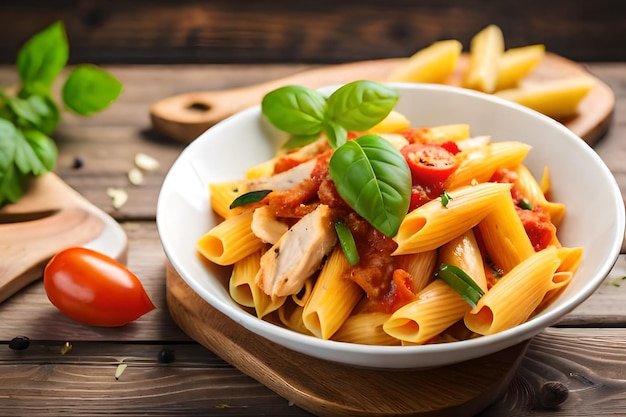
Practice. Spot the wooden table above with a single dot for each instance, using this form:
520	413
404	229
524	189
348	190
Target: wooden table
586	350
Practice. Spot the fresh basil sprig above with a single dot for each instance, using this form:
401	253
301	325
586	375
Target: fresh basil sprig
374	179
306	113
29	113
348	245
249	198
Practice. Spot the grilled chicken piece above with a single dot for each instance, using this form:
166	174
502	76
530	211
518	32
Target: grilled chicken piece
266	227
285	180
298	254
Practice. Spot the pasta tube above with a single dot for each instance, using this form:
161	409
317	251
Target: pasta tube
245	292
504	235
333	298
230	241
514	297
438	307
433	224
366	329
479	164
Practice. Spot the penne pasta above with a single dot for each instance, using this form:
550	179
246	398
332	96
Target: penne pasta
222	194
245	292
366	329
515	296
438	307
420	267
479	164
433	224
463	251
230	241
333	297
504	236
532	190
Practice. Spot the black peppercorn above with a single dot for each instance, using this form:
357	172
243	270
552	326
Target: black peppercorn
78	162
19	343
166	356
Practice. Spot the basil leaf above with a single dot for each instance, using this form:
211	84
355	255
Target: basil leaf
445	198
8	141
35	111
249	198
298	141
360	105
42	58
34	152
11	185
295	109
90	89
462	283
44	149
335	134
346	240
525	204
374	179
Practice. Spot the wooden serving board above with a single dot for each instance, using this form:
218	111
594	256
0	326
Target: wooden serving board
329	389
51	216
184	117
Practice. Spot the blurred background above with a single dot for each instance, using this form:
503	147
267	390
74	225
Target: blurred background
320	31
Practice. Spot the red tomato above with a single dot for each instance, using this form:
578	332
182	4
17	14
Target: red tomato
429	164
94	289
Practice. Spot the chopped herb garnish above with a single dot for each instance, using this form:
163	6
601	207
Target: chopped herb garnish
346	240
445	198
525	204
462	283
249	198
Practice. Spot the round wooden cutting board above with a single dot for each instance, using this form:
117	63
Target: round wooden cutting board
184	117
329	389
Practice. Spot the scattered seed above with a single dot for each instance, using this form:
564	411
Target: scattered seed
78	162
19	343
66	348
118	196
135	176
166	356
146	162
120	370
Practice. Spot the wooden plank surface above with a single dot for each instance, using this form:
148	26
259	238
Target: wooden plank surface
586	352
329	31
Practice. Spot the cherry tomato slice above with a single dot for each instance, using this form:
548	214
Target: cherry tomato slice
94	289
429	164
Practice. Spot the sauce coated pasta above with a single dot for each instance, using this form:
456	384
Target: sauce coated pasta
302	258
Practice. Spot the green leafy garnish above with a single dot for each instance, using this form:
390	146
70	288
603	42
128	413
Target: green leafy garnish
249	198
374	179
29	113
445	198
302	111
462	283
525	204
346	240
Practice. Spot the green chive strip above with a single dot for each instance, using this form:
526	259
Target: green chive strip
462	283
346	240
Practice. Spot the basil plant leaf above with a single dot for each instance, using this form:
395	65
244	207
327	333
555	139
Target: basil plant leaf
335	134
249	198
43	147
11	185
42	58
295	109
35	111
374	179
359	105
33	159
298	141
90	89
8	141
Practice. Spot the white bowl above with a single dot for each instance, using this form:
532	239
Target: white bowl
594	219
